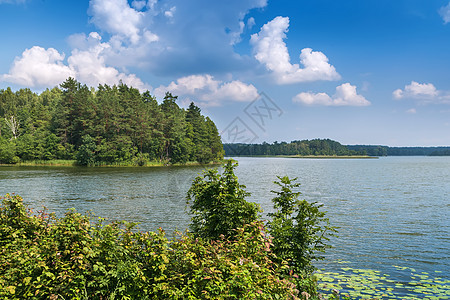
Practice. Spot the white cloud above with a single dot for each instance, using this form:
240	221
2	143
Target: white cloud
416	90
90	67
151	4
209	91
117	18
445	13
271	50
251	22
38	67
174	38
236	36
423	92
411	111
169	13
138	5
345	95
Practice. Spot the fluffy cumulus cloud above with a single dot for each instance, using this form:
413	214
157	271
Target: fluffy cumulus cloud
445	13
39	67
118	18
271	50
345	95
90	67
171	38
163	38
416	90
208	91
425	92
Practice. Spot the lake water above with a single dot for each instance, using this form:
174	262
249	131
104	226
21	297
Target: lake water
392	213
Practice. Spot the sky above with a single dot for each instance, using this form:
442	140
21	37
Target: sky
359	72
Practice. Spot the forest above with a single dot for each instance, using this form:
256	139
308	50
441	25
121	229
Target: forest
375	150
304	147
327	147
104	126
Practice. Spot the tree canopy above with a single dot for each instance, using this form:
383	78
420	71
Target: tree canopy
107	125
304	147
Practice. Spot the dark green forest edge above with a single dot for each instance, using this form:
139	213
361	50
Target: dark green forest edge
110	125
328	148
228	254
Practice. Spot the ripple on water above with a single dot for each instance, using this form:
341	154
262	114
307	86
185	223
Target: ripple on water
391	211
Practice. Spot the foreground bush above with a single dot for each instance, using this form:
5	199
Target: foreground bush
299	229
45	257
218	205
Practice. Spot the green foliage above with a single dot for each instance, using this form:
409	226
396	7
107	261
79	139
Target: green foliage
86	153
315	147
44	257
8	152
236	268
218	204
124	124
299	229
205	141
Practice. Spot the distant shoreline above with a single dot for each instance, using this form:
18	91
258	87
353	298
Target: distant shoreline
311	156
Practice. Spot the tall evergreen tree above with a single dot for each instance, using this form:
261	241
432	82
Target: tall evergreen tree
112	124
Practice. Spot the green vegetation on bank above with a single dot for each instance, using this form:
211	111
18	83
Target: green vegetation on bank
103	126
316	147
49	162
375	150
230	253
326	148
73	163
445	152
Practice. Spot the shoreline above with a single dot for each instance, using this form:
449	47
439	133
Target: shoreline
312	156
72	163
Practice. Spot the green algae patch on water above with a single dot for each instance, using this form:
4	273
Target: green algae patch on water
355	283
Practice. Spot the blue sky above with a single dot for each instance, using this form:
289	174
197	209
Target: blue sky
359	72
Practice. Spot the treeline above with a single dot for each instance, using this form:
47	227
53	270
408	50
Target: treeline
441	153
327	147
304	147
107	125
376	150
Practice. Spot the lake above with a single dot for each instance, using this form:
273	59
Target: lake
392	212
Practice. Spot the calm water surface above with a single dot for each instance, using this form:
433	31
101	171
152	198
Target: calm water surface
391	211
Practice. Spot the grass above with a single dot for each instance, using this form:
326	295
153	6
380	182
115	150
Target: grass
51	162
72	163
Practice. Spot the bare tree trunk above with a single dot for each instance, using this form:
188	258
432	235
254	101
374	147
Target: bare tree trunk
13	124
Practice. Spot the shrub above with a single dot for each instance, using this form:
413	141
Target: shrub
44	257
300	232
86	152
8	152
218	204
